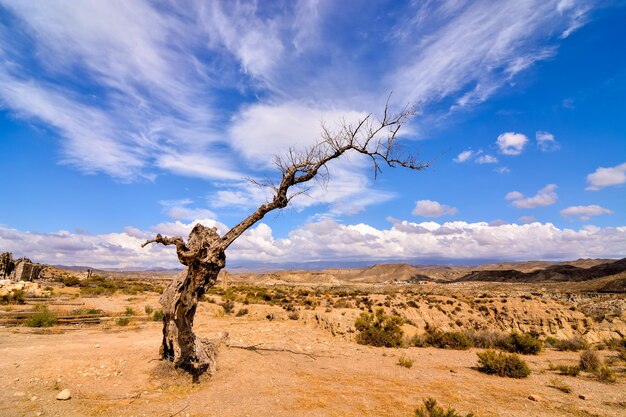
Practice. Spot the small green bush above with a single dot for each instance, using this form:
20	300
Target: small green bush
447	340
70	281
242	312
122	321
522	343
157	315
148	309
379	329
569	370
431	409
42	317
294	315
405	362
502	364
589	361
129	311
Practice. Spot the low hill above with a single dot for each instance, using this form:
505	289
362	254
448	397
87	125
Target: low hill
552	273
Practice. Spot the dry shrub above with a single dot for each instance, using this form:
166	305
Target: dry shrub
431	409
379	329
405	362
574	344
589	361
502	364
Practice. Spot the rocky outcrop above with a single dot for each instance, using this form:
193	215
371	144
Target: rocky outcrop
22	269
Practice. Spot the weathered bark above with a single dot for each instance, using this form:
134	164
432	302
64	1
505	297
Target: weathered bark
204	252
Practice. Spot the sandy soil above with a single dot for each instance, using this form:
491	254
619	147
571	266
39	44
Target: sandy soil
296	370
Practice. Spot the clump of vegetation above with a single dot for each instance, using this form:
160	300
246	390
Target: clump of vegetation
574	344
405	362
294	315
522	343
443	340
99	285
148	309
502	364
606	374
157	315
589	361
85	311
129	311
14	297
560	385
431	409
42	317
379	329
618	345
241	312
122	321
569	370
70	281
228	306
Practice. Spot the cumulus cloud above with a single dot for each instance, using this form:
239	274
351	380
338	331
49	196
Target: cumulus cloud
584	213
546	141
503	170
511	143
486	159
606	177
544	197
429	208
464	156
327	240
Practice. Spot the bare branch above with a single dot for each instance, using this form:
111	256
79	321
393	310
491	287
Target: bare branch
375	139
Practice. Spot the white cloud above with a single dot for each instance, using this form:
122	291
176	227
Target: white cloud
179	209
546	141
328	240
429	208
606	177
585	213
511	143
486	159
503	170
544	197
464	156
499	40
527	219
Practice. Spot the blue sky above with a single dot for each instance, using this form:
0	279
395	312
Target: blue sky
119	120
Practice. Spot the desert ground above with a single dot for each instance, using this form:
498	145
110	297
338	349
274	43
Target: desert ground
292	350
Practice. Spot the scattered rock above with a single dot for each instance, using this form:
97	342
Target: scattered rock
66	394
33	398
19	394
535	398
97	345
583	396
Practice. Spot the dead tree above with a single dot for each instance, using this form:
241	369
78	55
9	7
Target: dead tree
204	252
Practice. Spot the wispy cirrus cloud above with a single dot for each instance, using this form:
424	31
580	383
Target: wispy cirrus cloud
144	84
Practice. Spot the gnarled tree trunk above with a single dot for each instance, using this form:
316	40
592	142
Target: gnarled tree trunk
204	252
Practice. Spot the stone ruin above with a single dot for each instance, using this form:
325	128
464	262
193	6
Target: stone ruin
22	269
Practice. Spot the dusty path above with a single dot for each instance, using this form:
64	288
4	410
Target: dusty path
296	371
